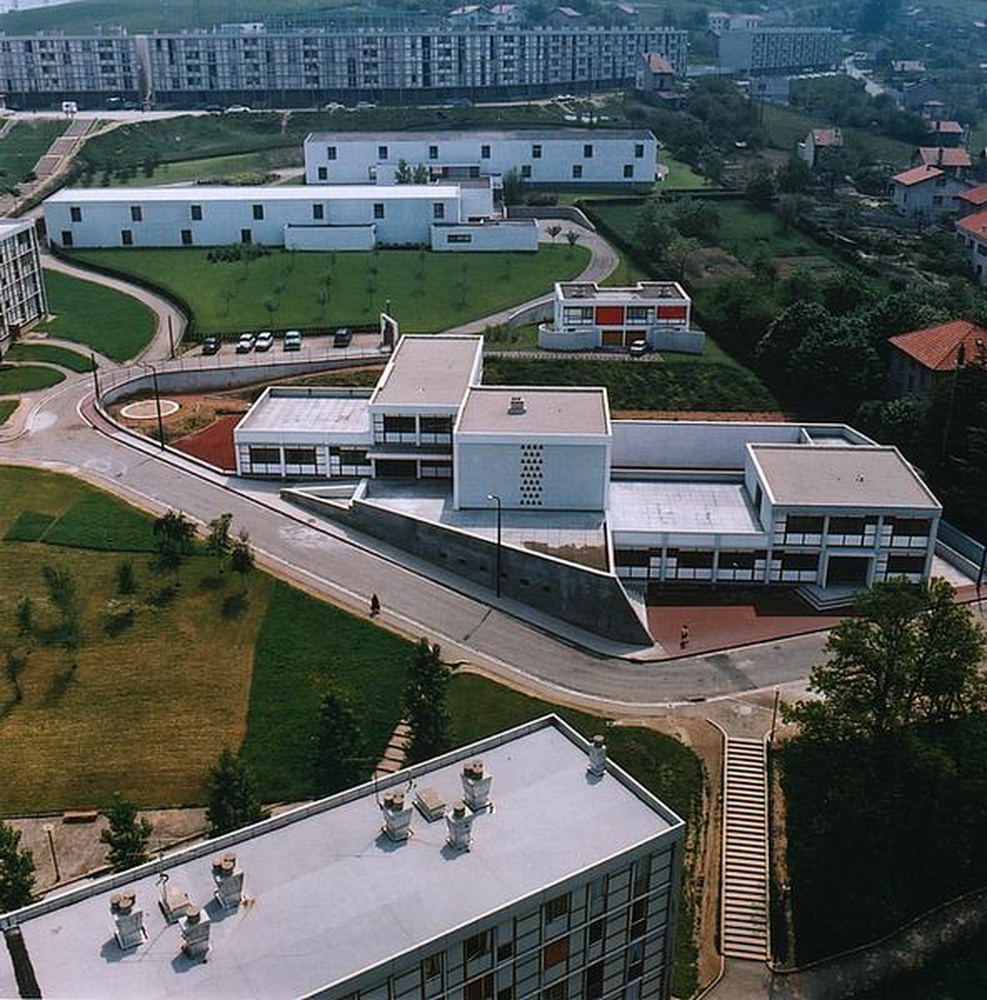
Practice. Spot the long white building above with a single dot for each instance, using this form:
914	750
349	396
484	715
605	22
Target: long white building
23	299
591	157
525	865
356	217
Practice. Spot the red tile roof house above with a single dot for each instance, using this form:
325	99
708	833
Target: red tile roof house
953	161
922	358
925	193
972	230
947	133
818	140
971	200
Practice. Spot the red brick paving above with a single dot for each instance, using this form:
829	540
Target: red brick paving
214	444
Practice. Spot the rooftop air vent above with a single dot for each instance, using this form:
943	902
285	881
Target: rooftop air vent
597	757
517	406
459	824
195	933
128	920
397	817
229	881
430	804
476	786
174	902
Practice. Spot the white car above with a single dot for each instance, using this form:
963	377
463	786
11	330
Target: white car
236	109
264	341
246	343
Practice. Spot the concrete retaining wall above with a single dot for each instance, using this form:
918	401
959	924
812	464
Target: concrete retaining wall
584	597
543	212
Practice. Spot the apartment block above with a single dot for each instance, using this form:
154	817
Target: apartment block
23	299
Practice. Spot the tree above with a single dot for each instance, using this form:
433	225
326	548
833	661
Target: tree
761	190
62	593
909	654
233	800
339	755
127	836
697	218
794	177
553	230
653	230
513	187
420	174
242	556
218	542
25	615
572	238
16	870
425	702
679	253
126	580
402	174
173	534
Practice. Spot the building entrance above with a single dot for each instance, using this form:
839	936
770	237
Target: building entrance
847	571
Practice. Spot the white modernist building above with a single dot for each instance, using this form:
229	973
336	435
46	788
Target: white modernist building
348	217
23	300
524	865
587	316
593	157
683	501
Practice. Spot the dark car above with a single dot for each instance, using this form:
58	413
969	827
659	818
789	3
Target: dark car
211	345
639	348
342	337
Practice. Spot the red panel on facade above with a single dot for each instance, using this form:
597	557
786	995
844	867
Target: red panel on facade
609	315
613	338
672	312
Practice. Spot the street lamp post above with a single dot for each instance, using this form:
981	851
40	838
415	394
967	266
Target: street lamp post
50	832
496	499
157	401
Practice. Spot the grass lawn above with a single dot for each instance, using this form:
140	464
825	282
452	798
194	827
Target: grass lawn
51	353
707	382
7	407
24	145
786	128
110	322
214	169
427	292
27	378
745	231
680	176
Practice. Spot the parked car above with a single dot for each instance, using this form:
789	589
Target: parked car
236	109
342	337
639	348
264	341
246	343
293	340
211	345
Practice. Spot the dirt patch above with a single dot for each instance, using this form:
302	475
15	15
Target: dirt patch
821	267
194	413
583	555
711	265
213	444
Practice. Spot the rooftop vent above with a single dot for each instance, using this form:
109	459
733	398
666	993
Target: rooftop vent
476	786
128	920
229	881
397	817
175	902
459	824
517	406
597	757
430	804
195	933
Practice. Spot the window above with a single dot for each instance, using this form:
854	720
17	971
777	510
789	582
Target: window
136	213
525	169
632	557
638	922
555	953
628	170
438	210
694	559
432	974
186	237
299	456
378	210
507	993
556	909
459	238
639	314
505	951
330	152
802	524
899	565
484	152
480	989
641	870
246	236
577	171
433	152
740	560
258	211
635	960
596	896
318	211
399	425
75	213
596	931
914	526
436	425
323	173
196	212
847	525
593	981
264	456
557	991
381	152
66	238
127	237
479	944
638	150
803	561
588	151
536	151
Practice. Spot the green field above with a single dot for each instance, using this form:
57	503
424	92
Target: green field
680	177
427	292
7	407
108	321
27	378
52	354
214	169
22	147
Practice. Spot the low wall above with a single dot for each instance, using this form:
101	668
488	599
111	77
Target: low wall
543	212
586	598
682	341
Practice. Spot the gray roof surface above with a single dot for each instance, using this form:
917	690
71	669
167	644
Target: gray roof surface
544	134
428	371
707	508
546	411
290	412
10	226
330	896
575	291
820	475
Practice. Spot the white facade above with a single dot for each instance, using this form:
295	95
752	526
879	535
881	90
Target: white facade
587	316
23	300
772	50
926	193
972	230
591	157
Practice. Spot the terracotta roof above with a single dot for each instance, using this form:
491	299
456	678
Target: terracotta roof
827	137
947	127
917	175
975	225
974	196
657	63
944	156
936	347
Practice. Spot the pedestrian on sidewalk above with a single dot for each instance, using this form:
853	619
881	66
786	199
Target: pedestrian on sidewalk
374	605
684	637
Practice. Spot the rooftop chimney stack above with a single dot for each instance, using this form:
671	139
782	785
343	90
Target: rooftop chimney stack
459	824
128	920
517	406
397	817
597	757
476	786
229	881
195	934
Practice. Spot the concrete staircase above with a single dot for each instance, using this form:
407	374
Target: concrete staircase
745	850
394	755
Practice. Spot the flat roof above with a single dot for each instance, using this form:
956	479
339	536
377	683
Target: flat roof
10	226
289	411
572	411
704	508
821	475
328	896
429	371
494	135
292	192
575	290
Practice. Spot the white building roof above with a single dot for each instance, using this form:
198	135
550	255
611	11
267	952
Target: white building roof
429	371
492	135
540	412
819	475
10	227
708	508
329	895
573	291
290	411
294	192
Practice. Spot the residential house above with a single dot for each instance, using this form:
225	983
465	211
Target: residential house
655	76
920	360
972	230
925	193
947	133
817	142
971	200
951	161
